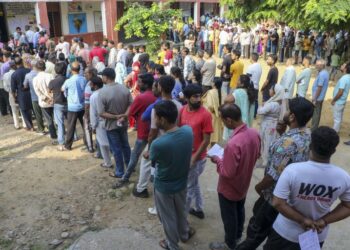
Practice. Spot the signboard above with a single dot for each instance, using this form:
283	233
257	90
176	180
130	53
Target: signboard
77	23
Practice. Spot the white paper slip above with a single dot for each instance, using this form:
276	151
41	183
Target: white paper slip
309	241
216	150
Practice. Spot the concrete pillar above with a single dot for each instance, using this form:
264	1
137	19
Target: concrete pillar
222	10
42	18
111	19
197	12
103	13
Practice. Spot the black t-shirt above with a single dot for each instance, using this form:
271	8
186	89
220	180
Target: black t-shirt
227	62
274	38
55	86
129	60
272	78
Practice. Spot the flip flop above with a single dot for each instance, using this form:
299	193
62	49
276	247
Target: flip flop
163	244
114	175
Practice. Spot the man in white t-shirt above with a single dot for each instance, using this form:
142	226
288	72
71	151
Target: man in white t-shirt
254	71
223	37
306	191
62	47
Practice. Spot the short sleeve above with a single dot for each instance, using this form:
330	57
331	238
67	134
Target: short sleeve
342	84
283	186
345	196
153	119
207	125
322	80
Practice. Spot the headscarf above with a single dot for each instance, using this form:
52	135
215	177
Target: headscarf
279	94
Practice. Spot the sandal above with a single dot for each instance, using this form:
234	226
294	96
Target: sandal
115	176
163	244
191	232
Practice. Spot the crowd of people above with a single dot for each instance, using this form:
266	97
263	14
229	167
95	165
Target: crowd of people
179	108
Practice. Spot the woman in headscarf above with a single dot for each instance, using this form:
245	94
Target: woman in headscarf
270	114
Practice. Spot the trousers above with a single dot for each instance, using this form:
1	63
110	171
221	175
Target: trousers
338	110
193	188
172	214
38	116
317	115
145	174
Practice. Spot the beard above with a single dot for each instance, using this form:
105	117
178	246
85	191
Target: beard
286	120
196	105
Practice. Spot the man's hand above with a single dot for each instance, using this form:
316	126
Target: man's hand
333	102
146	155
214	159
193	161
320	225
308	224
258	189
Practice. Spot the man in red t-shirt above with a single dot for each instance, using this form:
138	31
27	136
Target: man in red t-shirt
199	119
140	104
98	51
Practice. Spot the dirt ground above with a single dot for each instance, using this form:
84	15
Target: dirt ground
48	199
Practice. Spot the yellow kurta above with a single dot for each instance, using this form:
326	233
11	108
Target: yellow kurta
236	71
211	102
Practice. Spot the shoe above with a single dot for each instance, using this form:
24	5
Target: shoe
347	143
91	150
152	210
63	148
219	246
198	214
54	142
41	132
96	156
143	194
102	165
120	184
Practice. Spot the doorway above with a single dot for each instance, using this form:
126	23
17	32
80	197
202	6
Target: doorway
54	15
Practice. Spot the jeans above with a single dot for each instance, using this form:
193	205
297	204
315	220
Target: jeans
260	225
277	242
58	111
225	90
88	133
221	47
119	144
338	110
38	116
256	102
48	116
317	115
232	215
134	158
282	54
273	49
193	188
304	54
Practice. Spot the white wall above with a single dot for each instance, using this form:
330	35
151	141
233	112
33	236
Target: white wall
88	8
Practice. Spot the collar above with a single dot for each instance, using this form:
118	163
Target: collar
295	131
240	129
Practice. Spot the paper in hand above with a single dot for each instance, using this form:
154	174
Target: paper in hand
216	150
309	241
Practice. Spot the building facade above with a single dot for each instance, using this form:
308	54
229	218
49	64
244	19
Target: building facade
90	19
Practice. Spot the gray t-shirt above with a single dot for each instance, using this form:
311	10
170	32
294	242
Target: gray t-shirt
208	69
310	188
115	99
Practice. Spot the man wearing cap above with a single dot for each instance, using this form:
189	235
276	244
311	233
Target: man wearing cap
114	101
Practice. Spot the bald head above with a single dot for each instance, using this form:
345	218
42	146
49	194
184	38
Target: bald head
75	67
320	64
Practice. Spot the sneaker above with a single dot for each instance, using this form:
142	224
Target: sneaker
120	184
198	214
41	132
347	143
218	246
143	194
54	142
152	210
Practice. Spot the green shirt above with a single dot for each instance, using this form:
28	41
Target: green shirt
172	154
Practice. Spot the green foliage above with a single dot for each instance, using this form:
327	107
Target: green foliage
301	14
147	23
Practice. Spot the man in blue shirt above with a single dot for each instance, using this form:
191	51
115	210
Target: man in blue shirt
319	90
74	90
340	96
171	154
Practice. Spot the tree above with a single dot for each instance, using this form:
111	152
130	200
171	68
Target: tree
147	23
301	14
